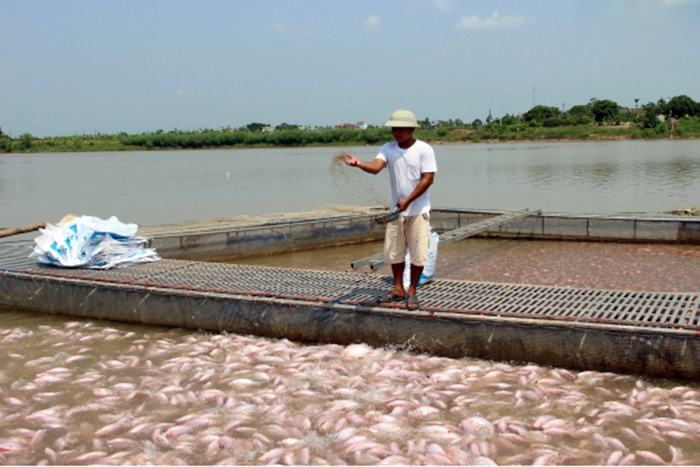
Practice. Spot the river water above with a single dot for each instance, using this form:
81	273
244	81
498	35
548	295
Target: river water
177	186
88	392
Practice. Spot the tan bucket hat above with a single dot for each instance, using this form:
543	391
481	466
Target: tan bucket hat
402	118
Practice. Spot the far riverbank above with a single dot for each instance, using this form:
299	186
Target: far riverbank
683	129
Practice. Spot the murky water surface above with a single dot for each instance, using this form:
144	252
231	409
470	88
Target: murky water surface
162	187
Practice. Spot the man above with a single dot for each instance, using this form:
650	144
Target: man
412	169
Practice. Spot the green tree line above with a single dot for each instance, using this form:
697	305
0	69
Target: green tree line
244	137
679	117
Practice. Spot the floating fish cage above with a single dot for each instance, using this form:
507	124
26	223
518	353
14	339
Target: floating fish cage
652	334
240	240
581	227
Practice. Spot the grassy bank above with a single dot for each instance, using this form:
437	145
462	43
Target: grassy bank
684	128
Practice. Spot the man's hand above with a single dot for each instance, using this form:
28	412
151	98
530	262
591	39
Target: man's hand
373	167
351	160
426	180
402	204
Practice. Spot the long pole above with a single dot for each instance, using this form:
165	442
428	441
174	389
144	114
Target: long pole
21	229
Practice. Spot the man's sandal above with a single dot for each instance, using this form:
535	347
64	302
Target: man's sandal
412	303
391	297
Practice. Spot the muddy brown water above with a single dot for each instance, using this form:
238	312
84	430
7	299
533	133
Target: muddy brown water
164	187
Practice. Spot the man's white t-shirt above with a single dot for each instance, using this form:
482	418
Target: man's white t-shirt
406	166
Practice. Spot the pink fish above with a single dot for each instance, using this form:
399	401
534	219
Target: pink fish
614	458
9	447
177	430
303	456
652	458
111	430
51	455
557	432
272	456
90	457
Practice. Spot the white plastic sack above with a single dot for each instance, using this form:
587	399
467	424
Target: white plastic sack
429	270
91	242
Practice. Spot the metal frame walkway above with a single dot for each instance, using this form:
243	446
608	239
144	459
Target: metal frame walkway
671	310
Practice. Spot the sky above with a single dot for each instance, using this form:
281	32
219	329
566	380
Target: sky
77	67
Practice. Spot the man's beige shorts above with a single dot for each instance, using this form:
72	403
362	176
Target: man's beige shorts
412	232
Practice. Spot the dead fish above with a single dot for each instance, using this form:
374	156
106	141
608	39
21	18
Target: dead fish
111	430
273	456
9	447
177	430
648	456
423	411
477	426
614	458
90	457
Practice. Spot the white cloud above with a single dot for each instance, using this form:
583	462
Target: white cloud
494	21
443	4
373	23
421	5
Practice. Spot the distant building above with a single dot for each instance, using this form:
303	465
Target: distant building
361	125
